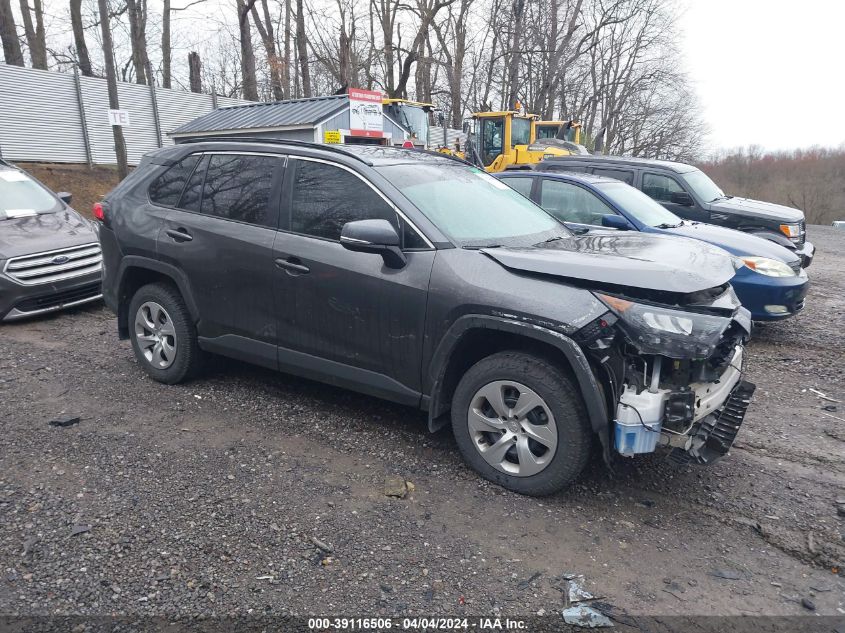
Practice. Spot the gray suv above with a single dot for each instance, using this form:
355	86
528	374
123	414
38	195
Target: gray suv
420	279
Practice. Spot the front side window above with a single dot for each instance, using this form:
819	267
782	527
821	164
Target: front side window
325	197
238	187
167	188
492	139
571	203
634	202
470	206
520	131
660	187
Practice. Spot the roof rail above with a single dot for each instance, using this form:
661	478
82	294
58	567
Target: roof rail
272	141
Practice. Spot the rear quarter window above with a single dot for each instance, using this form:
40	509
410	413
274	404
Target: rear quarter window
167	188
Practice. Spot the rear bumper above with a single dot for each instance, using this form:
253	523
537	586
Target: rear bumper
771	298
20	302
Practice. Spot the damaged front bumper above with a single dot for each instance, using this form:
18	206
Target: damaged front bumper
698	423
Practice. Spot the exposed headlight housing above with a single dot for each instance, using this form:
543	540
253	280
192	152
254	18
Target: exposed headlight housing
768	267
791	230
667	332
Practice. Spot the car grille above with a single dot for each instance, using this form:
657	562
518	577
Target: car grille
59	299
52	266
802	233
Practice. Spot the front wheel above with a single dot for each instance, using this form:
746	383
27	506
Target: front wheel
520	422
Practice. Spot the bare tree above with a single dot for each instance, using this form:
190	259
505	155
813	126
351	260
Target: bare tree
195	71
249	81
36	38
136	11
111	82
82	56
9	35
268	38
302	49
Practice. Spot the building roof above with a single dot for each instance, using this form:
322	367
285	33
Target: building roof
277	114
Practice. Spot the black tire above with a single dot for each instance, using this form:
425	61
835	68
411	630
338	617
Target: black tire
574	433
188	356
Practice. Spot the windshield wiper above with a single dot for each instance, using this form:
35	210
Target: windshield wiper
476	247
555	239
666	225
722	197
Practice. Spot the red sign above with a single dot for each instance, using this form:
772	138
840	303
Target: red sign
367	133
358	94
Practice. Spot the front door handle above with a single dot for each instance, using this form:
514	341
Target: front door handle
293	266
179	235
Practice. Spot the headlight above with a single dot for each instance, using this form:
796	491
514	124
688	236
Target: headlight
667	332
791	230
768	267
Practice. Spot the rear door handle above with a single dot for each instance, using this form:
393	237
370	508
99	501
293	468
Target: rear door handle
180	235
293	266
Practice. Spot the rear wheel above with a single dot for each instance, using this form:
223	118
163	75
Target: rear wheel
164	337
519	421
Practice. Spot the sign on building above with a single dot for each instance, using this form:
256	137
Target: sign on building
119	117
365	113
332	136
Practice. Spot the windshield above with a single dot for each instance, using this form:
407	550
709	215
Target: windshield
637	204
21	196
472	207
520	131
702	186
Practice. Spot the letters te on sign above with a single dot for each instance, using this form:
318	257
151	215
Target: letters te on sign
119	117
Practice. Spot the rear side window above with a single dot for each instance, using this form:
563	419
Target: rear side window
619	174
238	187
522	185
167	188
326	197
660	187
192	196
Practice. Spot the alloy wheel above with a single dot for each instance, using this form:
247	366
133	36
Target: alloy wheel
155	335
512	428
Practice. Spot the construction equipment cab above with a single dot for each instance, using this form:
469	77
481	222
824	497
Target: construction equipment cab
411	115
505	140
561	130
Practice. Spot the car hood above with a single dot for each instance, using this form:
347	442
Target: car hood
637	260
44	232
758	208
736	242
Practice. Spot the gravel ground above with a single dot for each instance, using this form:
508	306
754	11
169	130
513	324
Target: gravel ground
253	492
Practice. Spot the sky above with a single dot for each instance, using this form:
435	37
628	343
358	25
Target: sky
768	72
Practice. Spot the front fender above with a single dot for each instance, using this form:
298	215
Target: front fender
588	385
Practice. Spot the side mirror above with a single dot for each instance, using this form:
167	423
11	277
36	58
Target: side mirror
65	197
374	236
612	221
682	198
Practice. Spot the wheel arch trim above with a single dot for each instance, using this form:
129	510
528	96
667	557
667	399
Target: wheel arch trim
587	383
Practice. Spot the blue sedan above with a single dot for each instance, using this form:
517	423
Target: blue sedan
772	284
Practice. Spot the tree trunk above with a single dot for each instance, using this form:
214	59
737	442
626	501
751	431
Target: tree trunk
166	52
111	81
82	55
286	68
35	37
195	71
268	38
249	84
302	49
9	34
136	10
514	56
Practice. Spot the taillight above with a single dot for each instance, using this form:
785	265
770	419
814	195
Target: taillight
97	211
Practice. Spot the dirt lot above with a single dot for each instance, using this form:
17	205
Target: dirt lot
206	498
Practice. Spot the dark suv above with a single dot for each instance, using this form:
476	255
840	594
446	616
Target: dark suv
421	279
690	194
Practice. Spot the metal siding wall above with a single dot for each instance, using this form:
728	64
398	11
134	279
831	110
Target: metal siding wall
338	122
39	117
